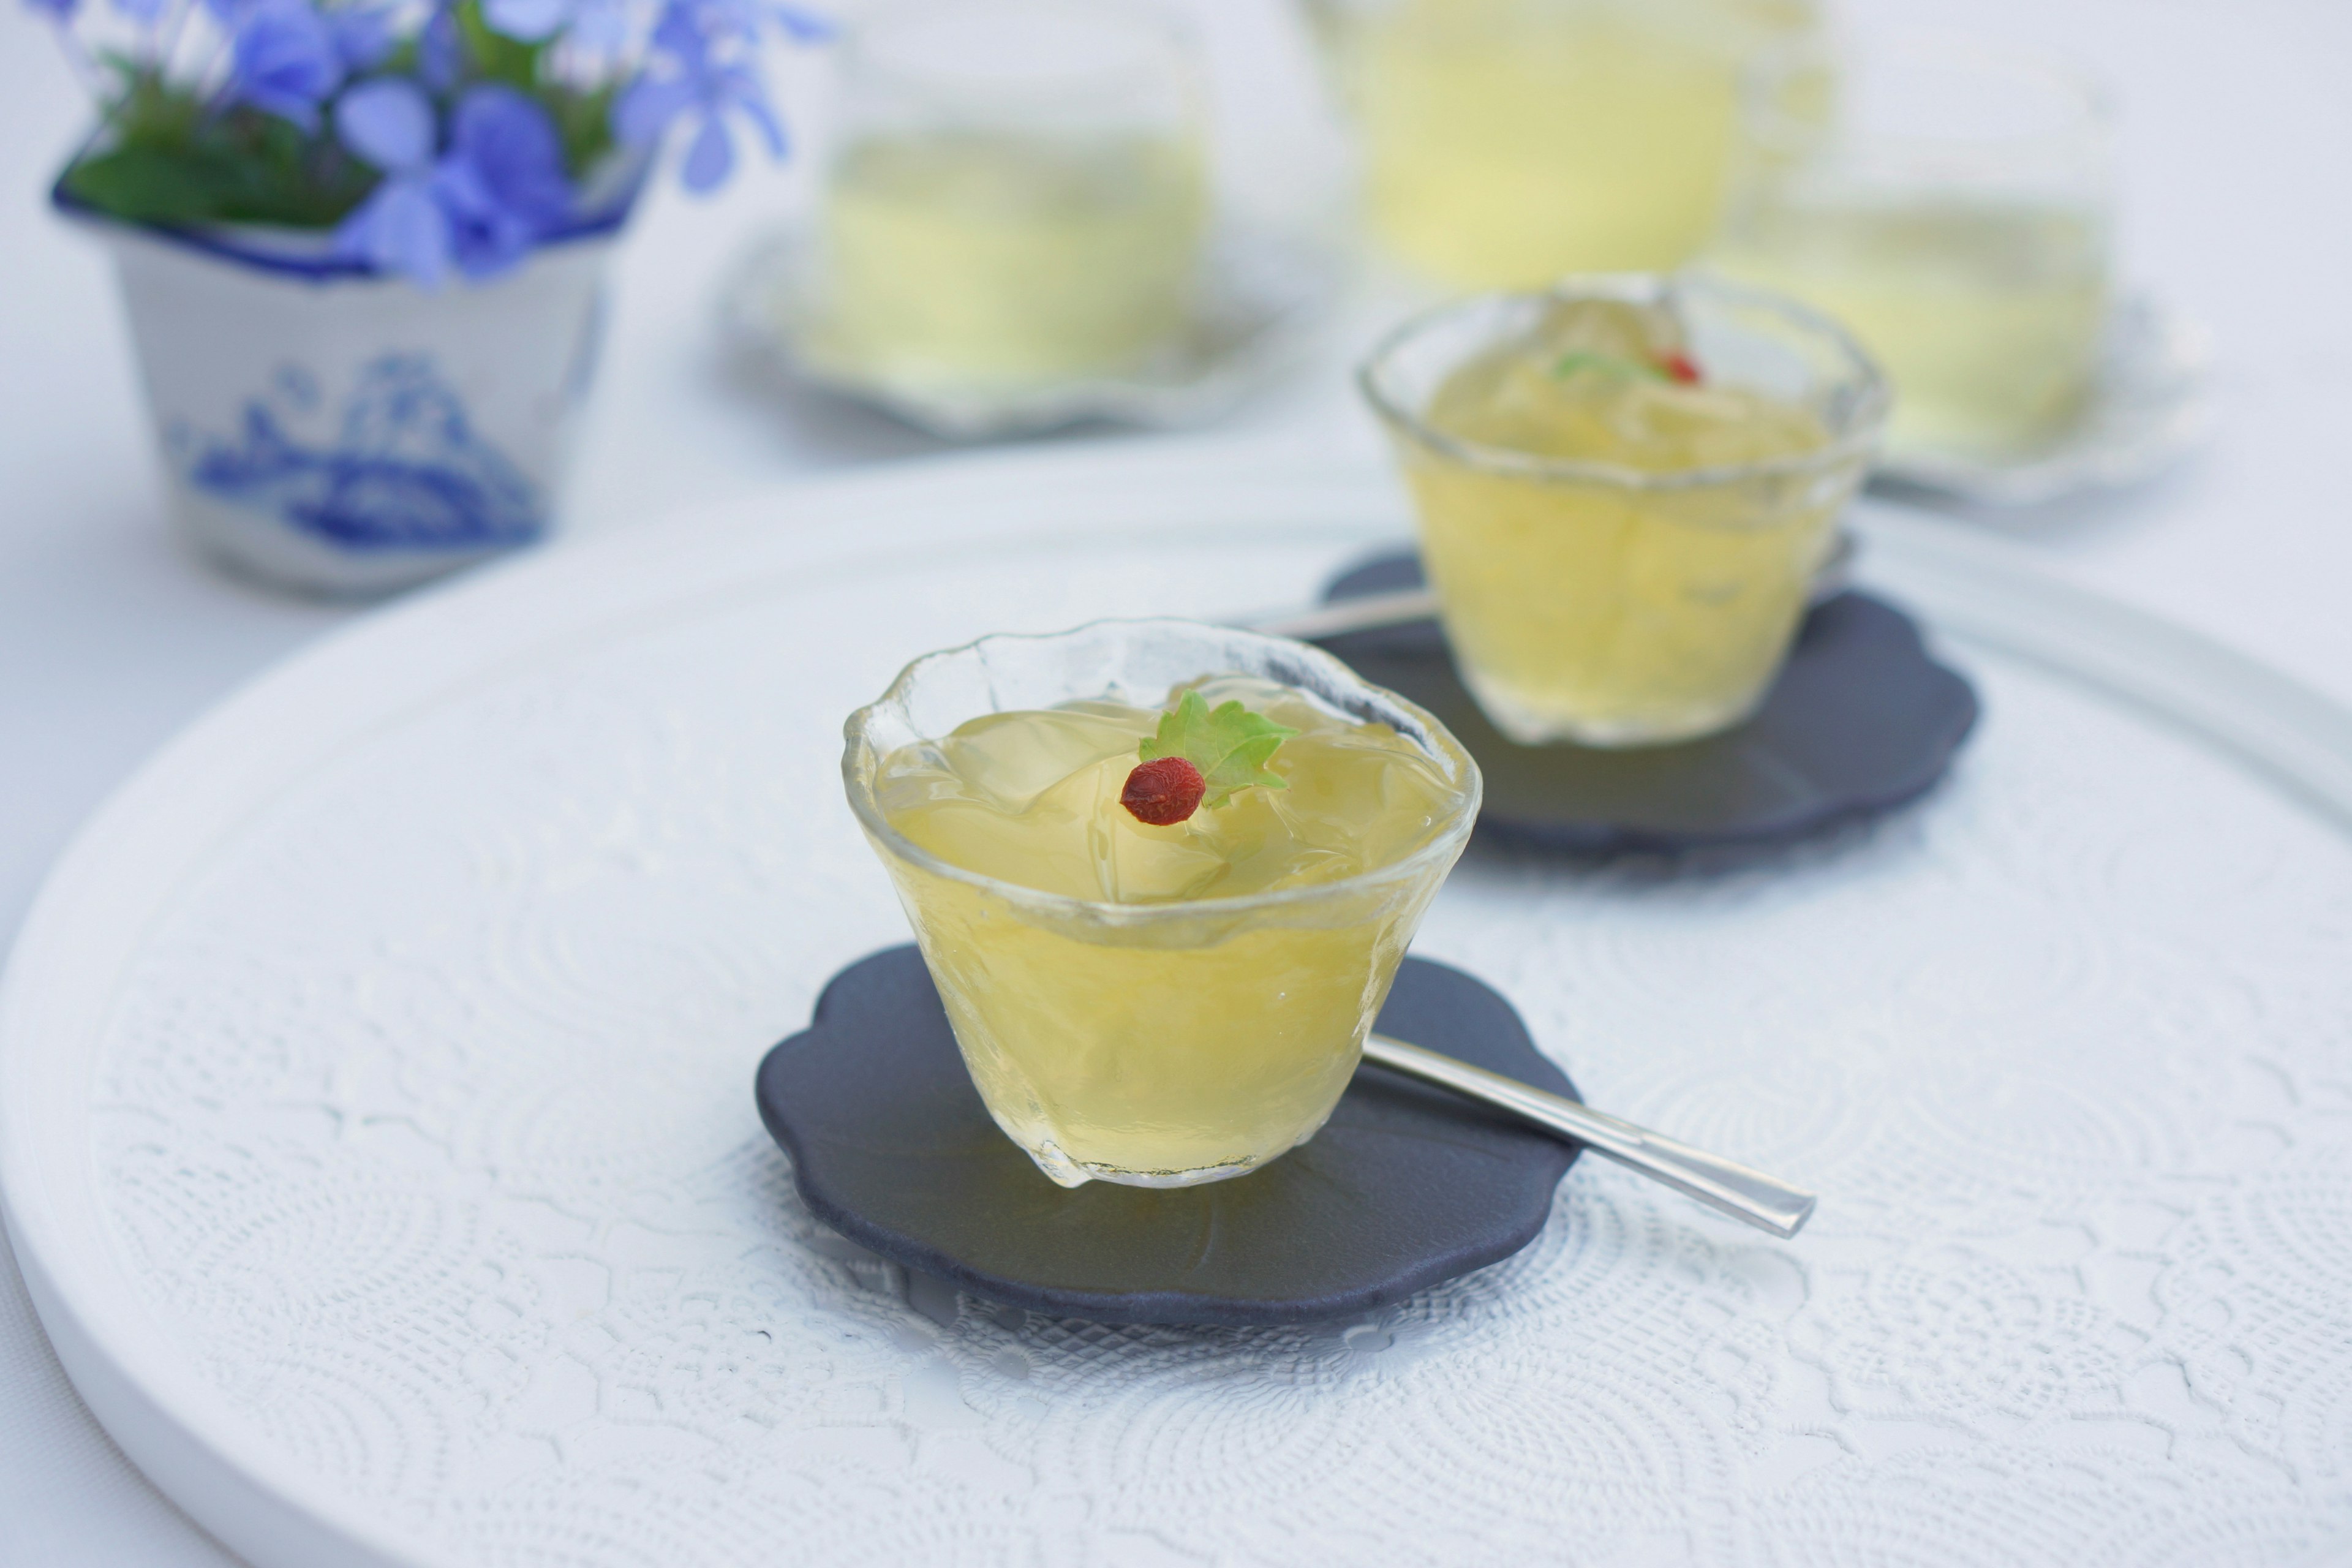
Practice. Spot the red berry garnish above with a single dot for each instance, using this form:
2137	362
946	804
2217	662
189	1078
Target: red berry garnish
1680	366
1163	792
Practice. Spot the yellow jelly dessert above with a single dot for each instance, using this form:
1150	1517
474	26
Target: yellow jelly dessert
1986	316
1621	538
1191	996
980	257
1510	142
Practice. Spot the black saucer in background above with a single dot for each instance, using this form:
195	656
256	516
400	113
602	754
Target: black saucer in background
1861	718
1405	1187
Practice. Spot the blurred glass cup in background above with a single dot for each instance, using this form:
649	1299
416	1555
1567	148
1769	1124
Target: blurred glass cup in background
1624	487
1508	142
1018	194
1950	203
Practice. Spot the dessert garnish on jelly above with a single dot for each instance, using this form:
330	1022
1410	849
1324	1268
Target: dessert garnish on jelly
1615	380
1200	756
1671	365
1233	786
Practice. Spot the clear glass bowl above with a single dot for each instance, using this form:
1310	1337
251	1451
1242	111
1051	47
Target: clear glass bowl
1152	1045
1950	203
1019	194
1606	605
1509	141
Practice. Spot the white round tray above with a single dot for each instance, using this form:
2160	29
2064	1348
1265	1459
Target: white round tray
377	1138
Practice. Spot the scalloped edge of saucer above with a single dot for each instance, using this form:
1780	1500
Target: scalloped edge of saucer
868	1012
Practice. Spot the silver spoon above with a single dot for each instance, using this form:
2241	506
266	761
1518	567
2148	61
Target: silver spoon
1720	1184
1374	611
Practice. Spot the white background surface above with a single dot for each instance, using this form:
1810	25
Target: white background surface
2236	125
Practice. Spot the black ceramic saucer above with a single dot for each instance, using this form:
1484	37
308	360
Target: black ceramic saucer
1861	719
1406	1186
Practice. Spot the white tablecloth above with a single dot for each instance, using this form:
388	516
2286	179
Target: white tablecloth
2235	121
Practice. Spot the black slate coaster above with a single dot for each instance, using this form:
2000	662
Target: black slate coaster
1405	1187
1861	720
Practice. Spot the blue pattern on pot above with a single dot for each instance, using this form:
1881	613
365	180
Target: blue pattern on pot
407	470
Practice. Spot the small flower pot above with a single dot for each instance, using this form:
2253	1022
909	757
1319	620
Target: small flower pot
335	431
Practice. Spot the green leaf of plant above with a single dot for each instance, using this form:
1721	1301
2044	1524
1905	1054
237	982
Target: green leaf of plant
1567	364
1230	746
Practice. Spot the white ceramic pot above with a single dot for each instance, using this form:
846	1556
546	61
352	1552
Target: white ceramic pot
335	431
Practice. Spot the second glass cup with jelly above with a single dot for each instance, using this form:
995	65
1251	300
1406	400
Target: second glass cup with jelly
1624	487
1143	1000
1949	202
1019	194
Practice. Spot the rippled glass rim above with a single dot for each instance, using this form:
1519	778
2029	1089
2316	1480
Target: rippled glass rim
1857	444
861	759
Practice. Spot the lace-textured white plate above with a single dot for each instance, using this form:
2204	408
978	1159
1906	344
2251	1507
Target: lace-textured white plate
380	1148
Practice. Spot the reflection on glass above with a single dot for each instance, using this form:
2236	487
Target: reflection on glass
1019	192
1509	142
1951	206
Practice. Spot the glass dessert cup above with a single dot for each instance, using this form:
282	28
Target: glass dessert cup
1950	203
1152	1044
1018	195
1509	142
1607	604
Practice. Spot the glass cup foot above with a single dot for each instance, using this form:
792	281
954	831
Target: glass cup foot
1068	1172
1530	724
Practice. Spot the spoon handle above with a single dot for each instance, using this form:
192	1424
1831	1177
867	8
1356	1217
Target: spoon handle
1720	1184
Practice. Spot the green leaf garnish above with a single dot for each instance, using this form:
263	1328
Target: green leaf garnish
1230	746
1567	364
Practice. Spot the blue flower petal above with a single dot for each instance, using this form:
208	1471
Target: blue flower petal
530	20
388	122
740	87
283	60
440	50
512	144
647	107
803	27
401	229
363	38
711	158
485	238
600	28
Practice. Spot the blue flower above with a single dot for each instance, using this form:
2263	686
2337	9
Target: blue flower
57	11
440	48
530	20
506	188
479	207
284	60
746	17
401	227
689	71
506	135
362	38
